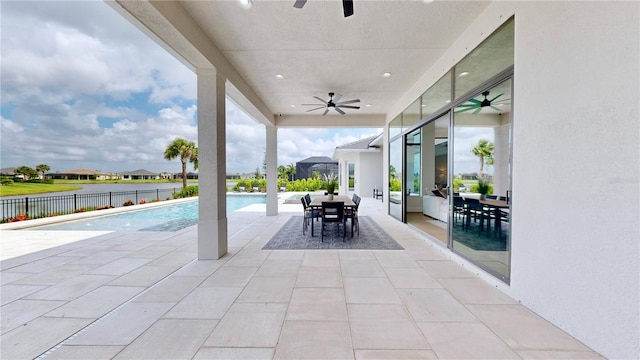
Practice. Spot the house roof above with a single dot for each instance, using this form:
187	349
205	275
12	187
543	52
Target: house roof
362	144
81	172
7	171
138	172
316	160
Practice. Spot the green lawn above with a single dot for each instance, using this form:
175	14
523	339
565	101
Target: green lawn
33	188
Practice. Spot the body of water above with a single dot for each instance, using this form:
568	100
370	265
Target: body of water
164	218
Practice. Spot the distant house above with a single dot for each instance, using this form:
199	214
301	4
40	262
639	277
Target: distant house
322	164
82	174
140	174
190	176
360	166
7	171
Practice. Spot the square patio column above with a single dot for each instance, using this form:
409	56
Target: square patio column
212	203
272	170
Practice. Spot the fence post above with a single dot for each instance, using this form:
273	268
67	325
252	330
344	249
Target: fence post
26	205
75	202
157	194
136	196
110	199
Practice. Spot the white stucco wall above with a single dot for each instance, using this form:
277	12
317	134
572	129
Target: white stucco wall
369	174
576	164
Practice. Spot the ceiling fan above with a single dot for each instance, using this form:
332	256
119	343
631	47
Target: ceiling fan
336	104
477	105
347	6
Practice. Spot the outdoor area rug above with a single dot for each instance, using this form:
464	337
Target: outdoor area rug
372	237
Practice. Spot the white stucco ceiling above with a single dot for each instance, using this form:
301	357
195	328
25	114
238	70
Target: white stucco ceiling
317	50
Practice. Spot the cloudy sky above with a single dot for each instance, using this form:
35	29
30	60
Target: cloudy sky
83	88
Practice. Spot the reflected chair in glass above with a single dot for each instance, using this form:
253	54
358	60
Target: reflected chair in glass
351	213
333	213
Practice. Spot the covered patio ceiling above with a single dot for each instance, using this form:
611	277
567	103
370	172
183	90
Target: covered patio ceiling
277	57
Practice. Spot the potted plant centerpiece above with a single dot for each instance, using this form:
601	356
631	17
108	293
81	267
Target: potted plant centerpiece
332	184
483	188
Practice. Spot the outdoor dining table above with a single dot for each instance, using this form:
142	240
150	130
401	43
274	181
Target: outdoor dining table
316	203
496	205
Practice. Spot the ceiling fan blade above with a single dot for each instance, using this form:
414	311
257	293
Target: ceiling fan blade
468	105
313	104
348	106
463	110
347	6
348	102
325	112
475	101
299	4
337	98
322	101
477	110
340	111
496	108
321	107
495	97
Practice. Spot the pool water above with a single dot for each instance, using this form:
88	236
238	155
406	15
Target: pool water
163	218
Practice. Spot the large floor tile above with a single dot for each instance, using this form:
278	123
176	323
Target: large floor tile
325	340
411	278
249	325
122	326
37	336
370	291
21	312
170	339
312	276
144	276
53	276
248	258
557	355
279	268
321	258
394	258
475	291
230	276
205	303
268	289
119	266
72	288
361	268
319	304
446	269
84	352
384	327
171	289
522	329
462	340
395	355
13	292
97	302
434	305
219	353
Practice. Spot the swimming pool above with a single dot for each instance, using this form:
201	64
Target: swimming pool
163	218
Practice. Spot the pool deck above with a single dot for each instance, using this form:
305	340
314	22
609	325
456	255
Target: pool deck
144	295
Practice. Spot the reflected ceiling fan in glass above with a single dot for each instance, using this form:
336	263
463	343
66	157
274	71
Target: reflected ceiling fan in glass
477	105
335	104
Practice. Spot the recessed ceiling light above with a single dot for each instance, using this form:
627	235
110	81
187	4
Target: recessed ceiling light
368	105
293	105
387	74
427	1
447	101
279	76
464	73
245	4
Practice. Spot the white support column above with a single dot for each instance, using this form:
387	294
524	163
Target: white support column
272	170
212	216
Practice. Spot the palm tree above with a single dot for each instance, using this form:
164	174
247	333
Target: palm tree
484	151
282	172
42	168
187	151
291	171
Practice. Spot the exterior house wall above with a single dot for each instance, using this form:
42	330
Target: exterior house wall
369	173
575	207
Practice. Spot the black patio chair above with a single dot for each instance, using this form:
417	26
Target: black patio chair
309	214
333	213
351	213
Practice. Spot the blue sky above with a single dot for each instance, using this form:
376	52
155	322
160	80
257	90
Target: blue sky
83	88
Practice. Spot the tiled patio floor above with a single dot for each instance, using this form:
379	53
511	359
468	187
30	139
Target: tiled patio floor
144	296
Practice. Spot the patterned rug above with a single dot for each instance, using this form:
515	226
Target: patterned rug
371	237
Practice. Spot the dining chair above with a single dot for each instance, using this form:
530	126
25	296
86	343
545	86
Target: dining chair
351	213
309	215
333	213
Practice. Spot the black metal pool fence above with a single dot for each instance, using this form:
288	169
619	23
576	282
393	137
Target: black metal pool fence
44	206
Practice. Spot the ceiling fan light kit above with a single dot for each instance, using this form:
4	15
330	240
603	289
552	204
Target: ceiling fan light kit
335	104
